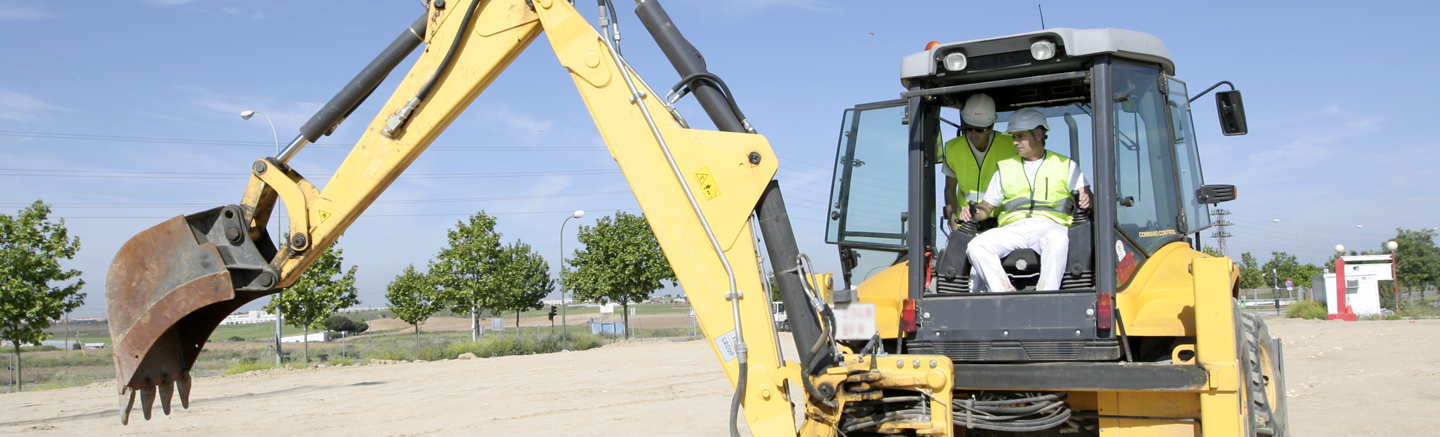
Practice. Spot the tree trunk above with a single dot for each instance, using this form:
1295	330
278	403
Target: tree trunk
474	324
417	340
625	316
306	340
19	385
517	324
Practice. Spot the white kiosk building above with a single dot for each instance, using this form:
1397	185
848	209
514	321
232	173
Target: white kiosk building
1361	276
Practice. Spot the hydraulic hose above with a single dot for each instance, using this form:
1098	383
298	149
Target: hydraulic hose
396	122
735	400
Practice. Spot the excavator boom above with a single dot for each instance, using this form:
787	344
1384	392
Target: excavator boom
170	286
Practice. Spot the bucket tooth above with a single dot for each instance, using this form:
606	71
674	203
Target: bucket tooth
167	389
147	400
127	401
183	383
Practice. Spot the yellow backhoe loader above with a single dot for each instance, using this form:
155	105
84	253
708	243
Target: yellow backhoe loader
874	359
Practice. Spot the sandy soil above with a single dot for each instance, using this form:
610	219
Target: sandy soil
1361	378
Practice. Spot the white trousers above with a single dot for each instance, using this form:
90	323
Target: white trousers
1049	239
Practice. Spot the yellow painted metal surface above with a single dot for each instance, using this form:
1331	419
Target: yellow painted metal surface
1160	302
502	31
722	181
887	290
1215	346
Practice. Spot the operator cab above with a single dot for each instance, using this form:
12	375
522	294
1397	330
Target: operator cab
1112	104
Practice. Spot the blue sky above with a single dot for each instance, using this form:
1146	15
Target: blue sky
123	113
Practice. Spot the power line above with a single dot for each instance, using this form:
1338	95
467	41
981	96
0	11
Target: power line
203	142
380	202
116	174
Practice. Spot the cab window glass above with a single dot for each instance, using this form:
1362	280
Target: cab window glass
868	197
1187	158
1147	203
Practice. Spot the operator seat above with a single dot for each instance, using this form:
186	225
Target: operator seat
952	269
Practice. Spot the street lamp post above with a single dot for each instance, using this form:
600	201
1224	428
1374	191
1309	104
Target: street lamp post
1297	237
1395	271
1377	233
279	222
564	333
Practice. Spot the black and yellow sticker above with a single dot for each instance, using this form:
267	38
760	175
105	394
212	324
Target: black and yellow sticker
707	183
324	216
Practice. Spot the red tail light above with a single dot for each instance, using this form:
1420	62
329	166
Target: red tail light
1104	311
907	316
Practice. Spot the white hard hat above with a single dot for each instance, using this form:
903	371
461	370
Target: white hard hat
979	110
1026	119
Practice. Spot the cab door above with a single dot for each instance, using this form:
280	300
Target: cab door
868	194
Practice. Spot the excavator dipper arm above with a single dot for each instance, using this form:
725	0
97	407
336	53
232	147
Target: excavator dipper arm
169	286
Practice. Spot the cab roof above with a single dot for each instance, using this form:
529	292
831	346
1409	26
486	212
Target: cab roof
1075	42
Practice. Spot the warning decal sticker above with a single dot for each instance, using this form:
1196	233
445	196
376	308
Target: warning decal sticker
707	183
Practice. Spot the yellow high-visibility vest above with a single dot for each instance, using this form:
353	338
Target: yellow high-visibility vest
1048	197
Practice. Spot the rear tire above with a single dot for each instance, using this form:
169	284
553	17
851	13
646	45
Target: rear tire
1264	375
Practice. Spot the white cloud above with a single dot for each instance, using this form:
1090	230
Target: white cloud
527	128
19	12
230	10
19	107
285	115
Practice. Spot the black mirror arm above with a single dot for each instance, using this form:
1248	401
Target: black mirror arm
1212	88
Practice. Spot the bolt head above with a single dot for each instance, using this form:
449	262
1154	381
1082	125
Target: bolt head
258	167
754	157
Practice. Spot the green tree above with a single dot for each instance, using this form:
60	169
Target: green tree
1212	251
1288	269
523	280
317	294
621	261
1417	259
465	271
339	323
774	287
1250	272
412	298
31	247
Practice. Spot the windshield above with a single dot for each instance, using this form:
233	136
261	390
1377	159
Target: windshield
1147	209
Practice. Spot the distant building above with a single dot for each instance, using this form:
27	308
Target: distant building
318	336
248	318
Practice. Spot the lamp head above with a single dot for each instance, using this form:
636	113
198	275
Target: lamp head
1392	245
578	214
245	115
1277	220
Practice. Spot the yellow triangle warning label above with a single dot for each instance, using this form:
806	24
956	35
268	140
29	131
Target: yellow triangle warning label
707	183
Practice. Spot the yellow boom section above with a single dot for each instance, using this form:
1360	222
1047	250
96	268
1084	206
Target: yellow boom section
715	167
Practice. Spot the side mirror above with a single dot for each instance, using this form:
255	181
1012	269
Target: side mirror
1232	112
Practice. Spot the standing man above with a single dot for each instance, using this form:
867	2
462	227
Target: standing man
969	158
1034	188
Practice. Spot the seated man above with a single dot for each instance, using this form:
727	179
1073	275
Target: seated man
969	158
1034	189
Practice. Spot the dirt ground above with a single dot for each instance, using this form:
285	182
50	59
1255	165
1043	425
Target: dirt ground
1344	379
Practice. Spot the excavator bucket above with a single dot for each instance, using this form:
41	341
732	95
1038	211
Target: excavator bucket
167	290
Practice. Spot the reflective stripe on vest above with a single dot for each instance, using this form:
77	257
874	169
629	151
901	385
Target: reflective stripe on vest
971	178
1051	198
